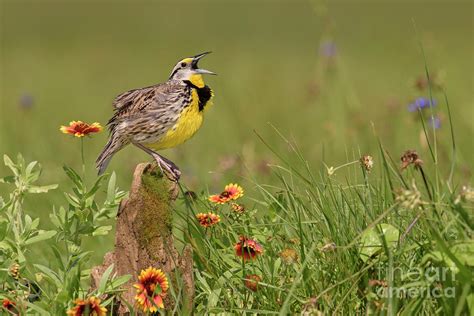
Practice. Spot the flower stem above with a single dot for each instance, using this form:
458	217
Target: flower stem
83	160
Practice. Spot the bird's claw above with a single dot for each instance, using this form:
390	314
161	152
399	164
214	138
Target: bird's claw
171	171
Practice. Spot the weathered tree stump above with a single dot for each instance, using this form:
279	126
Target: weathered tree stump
144	238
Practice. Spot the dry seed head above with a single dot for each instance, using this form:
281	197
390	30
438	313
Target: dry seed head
330	171
15	271
409	199
294	241
467	194
289	256
410	157
238	208
367	162
328	247
252	281
311	308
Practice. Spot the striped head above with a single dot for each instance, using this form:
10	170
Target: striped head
187	69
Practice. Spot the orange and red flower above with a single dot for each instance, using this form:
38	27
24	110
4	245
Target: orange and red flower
248	248
231	192
207	220
80	129
151	288
8	305
251	282
90	306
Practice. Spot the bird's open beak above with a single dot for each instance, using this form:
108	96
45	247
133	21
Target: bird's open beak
195	64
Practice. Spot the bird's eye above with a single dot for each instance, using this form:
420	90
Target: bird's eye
183	65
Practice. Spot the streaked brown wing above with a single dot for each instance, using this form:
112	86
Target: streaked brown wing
158	99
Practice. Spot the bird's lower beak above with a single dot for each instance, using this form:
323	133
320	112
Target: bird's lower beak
195	64
205	72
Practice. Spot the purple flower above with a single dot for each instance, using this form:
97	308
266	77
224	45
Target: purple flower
420	103
328	49
26	101
435	122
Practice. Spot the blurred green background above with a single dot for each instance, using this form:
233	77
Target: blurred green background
325	75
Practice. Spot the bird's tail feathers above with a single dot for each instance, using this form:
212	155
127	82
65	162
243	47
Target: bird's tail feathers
113	145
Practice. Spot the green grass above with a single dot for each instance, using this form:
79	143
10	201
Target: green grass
348	232
279	102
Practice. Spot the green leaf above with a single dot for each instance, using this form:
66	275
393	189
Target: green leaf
58	256
42	235
95	187
38	309
72	200
116	283
35	223
111	187
462	252
21	256
104	279
5	245
50	273
3	229
8	179
76	179
42	189
372	242
102	230
32	176
9	163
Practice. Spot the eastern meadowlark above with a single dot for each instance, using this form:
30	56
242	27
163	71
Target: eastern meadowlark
160	116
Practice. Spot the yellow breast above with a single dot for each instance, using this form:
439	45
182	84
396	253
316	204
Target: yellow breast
187	125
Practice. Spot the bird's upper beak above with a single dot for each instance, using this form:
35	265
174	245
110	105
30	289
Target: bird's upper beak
195	64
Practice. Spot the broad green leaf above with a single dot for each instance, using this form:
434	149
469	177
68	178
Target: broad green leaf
116	283
55	219
371	242
28	222
38	309
21	256
104	279
72	200
102	230
50	273
35	223
42	235
111	187
32	177
9	163
463	252
59	256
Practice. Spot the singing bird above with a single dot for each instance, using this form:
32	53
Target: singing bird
160	116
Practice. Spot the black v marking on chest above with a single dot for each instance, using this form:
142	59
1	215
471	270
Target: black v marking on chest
204	94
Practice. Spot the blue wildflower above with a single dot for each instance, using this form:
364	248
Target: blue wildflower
420	103
435	122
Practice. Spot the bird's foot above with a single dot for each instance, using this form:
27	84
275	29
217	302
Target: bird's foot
168	168
174	172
